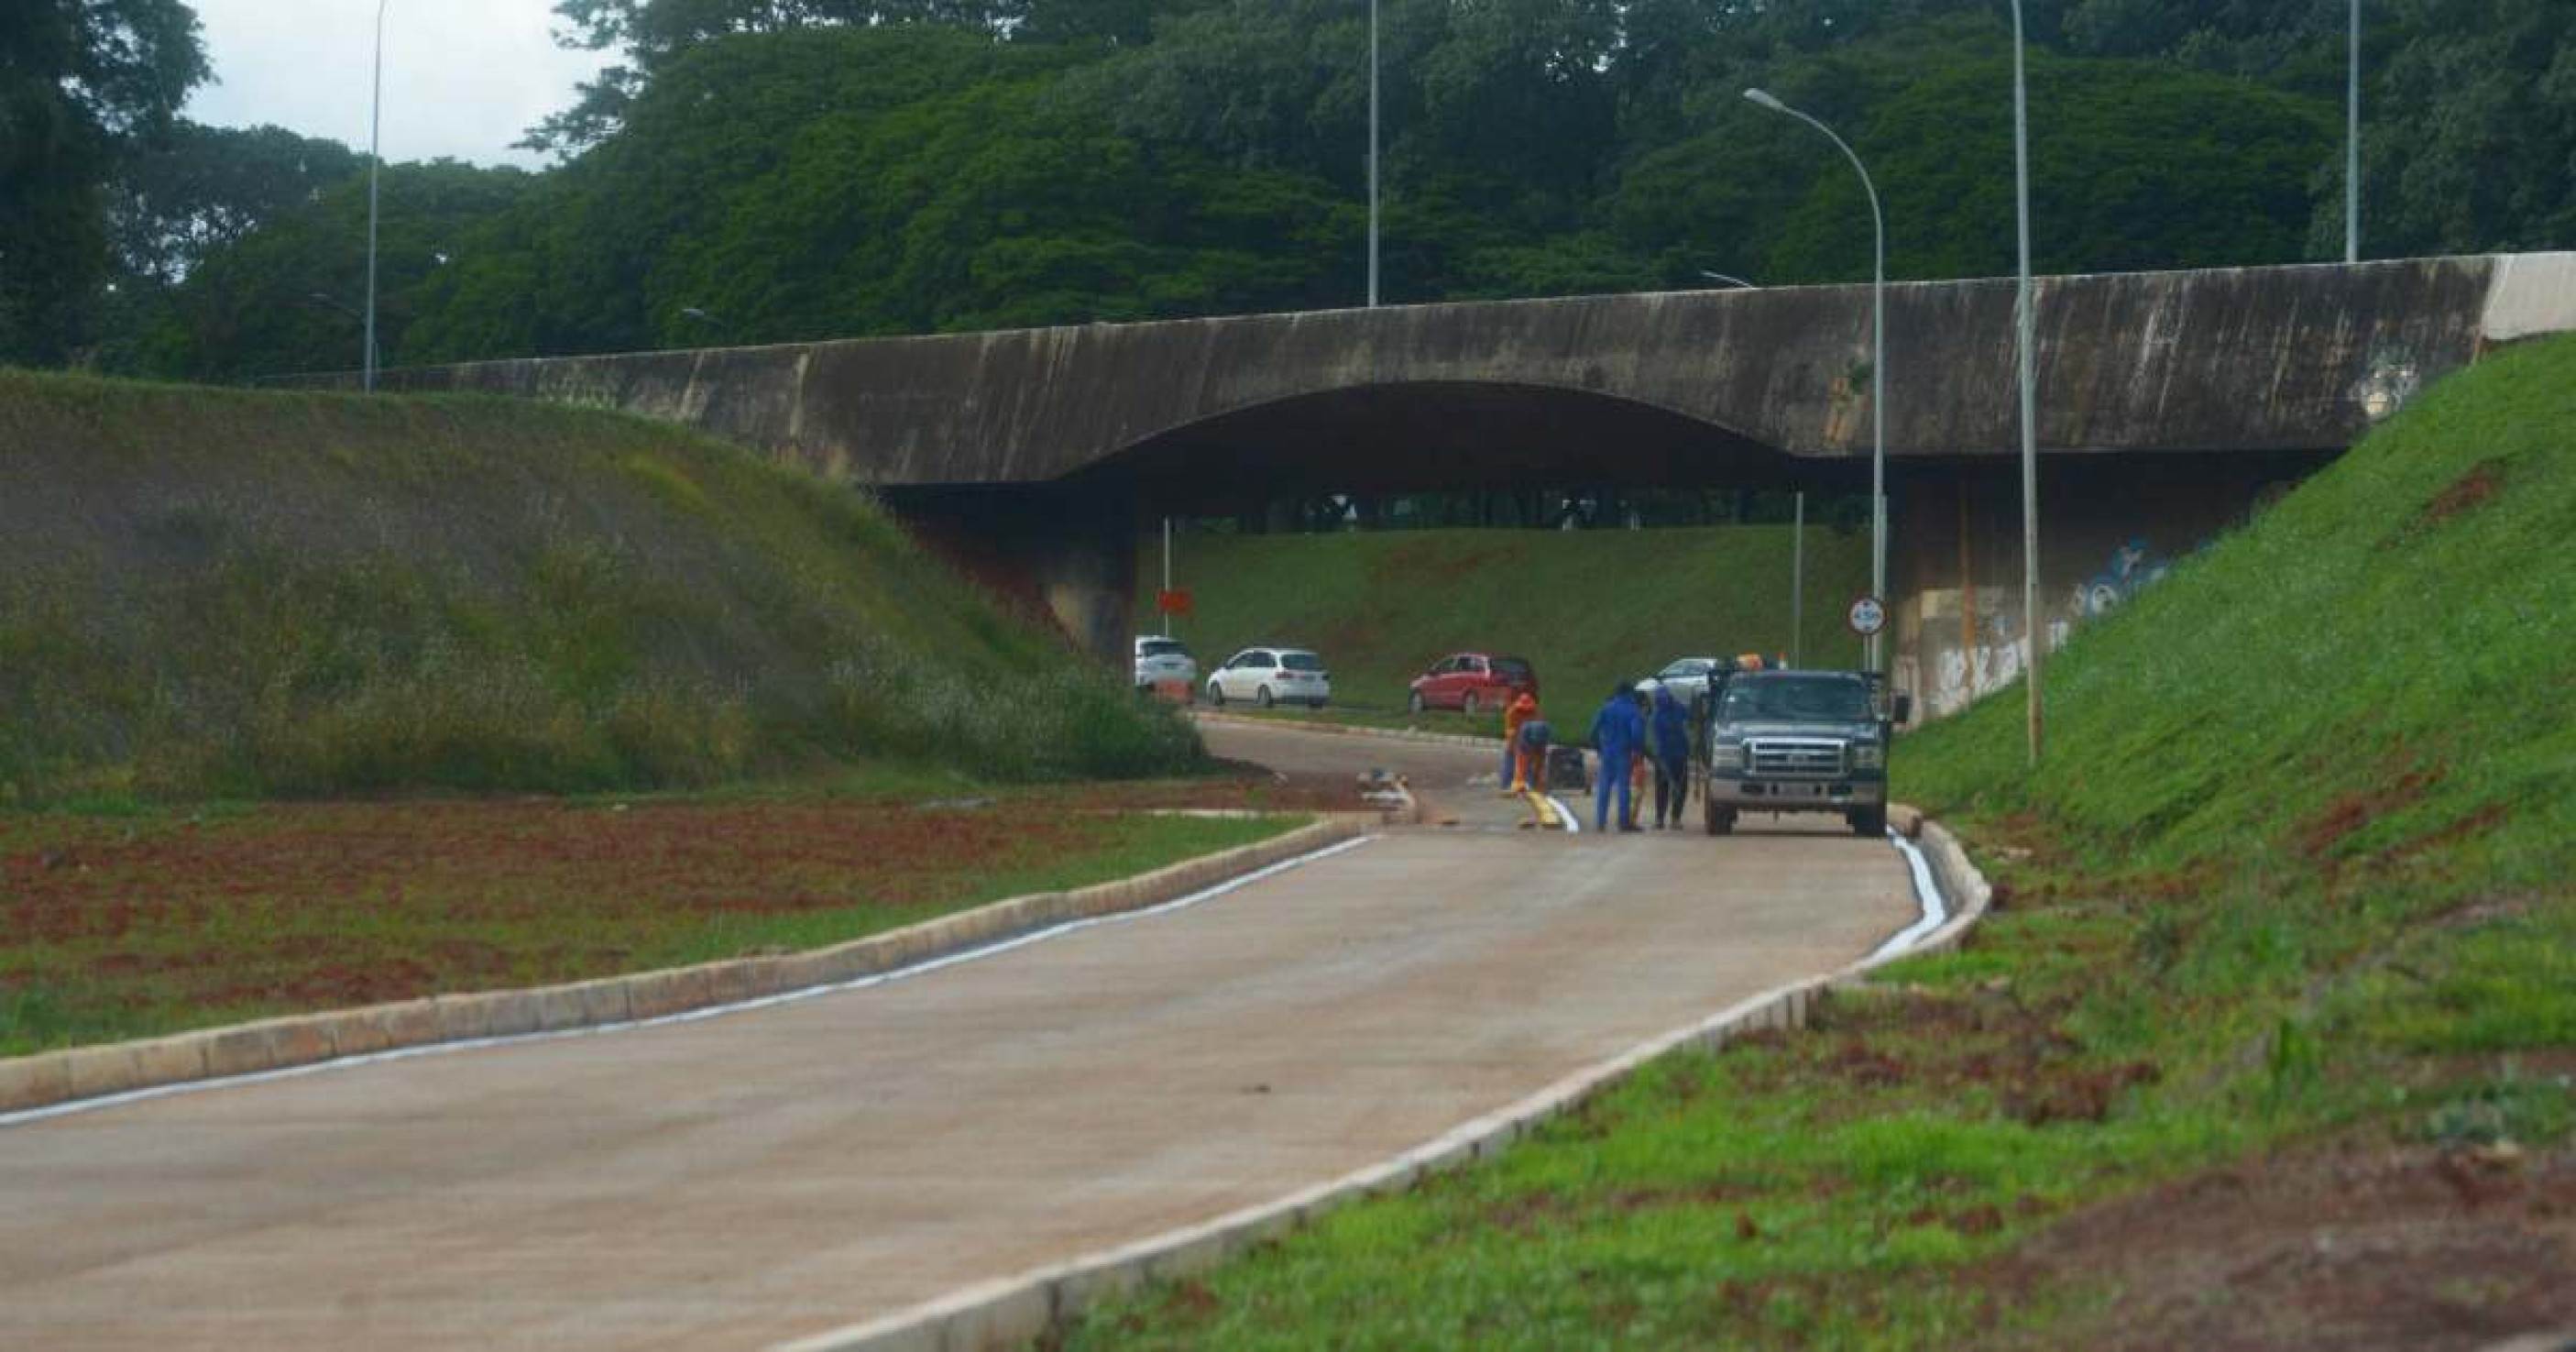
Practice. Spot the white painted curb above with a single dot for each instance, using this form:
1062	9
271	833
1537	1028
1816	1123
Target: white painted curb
1009	1313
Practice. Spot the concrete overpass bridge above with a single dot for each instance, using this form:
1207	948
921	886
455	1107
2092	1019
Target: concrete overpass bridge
2169	404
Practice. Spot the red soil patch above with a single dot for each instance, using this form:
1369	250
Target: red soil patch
2467	493
2358	809
298	906
2350	1246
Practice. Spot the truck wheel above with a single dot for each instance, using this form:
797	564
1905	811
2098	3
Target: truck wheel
1216	695
1716	818
1868	821
1413	702
1468	705
1262	697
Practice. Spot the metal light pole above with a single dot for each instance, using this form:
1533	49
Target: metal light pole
1372	157
2352	141
375	126
2034	649
1167	575
1877	362
1798	585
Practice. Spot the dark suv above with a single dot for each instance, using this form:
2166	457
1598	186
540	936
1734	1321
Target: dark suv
1472	681
1798	741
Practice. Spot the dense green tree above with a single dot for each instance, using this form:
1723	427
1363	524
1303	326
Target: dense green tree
654	34
2470	142
289	296
2132	168
791	169
83	84
204	188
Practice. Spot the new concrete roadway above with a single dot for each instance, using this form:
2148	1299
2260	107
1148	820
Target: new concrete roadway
774	1173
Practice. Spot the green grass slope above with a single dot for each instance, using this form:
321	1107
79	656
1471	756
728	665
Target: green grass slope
2379	668
1588	607
215	592
2285	953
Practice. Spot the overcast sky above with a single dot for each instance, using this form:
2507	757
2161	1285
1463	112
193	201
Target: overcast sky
463	78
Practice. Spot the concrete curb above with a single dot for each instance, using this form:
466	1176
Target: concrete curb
1013	1312
49	1078
1353	730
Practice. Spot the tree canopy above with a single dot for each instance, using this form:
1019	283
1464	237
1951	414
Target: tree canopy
758	170
84	86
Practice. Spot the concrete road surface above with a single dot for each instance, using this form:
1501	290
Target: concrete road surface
775	1173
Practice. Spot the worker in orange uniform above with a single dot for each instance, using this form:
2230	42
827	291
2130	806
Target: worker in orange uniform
1520	773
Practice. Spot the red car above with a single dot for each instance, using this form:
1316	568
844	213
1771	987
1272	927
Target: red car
1472	681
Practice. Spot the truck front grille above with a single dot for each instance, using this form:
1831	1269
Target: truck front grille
1795	758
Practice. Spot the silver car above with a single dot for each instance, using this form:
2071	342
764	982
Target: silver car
1687	677
1268	676
1164	659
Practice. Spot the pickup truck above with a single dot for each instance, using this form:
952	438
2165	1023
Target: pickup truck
1797	741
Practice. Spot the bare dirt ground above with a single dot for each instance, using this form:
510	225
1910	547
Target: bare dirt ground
125	925
2350	1245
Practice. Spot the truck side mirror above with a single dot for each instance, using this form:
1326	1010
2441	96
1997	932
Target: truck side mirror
1905	708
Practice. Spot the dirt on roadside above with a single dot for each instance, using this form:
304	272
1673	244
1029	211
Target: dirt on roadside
2351	1245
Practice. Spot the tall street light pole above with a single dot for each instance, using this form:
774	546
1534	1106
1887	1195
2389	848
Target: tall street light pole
375	126
2034	649
1372	157
2352	140
1877	361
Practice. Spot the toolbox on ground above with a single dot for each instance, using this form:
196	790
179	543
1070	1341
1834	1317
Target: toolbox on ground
1566	768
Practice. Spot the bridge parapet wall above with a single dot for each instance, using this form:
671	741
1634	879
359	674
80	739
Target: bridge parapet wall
2250	359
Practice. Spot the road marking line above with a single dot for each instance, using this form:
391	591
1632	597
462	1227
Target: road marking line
25	1116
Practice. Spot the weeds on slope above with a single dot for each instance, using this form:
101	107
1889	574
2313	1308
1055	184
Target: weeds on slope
213	593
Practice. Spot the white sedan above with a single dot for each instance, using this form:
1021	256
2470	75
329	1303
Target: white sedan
1268	676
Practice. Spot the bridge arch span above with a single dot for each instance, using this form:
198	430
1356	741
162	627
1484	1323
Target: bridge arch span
1433	435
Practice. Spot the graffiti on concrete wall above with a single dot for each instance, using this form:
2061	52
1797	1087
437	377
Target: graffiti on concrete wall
1970	646
2133	568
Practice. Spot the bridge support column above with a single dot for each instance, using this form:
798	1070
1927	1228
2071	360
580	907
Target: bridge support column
2110	526
1060	556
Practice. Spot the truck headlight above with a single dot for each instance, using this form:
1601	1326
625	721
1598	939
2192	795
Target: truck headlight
1869	756
1726	756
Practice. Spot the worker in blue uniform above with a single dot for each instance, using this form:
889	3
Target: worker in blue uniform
1671	739
1618	732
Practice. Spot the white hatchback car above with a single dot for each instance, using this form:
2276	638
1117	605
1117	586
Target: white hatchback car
1163	659
1268	676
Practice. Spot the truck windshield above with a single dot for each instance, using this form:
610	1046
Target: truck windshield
1814	698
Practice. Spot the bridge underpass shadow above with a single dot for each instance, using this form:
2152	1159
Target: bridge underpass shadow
1064	550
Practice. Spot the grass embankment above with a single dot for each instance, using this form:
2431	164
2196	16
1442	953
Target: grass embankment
129	926
2269	1044
220	593
1587	607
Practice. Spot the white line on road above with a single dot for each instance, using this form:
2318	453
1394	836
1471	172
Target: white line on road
30	1115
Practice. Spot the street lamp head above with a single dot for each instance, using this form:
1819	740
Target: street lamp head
1764	98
